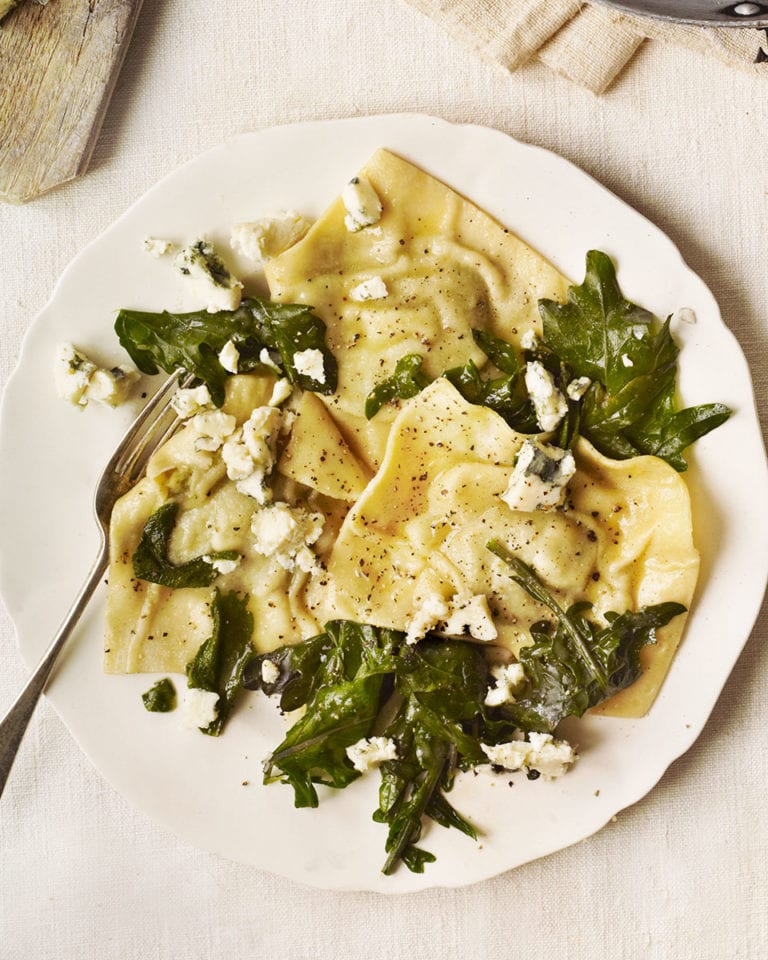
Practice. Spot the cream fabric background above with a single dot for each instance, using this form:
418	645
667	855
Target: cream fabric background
683	873
590	43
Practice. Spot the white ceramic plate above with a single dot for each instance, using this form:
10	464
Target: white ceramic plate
51	455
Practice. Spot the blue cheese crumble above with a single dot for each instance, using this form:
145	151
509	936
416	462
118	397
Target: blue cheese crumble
189	401
509	677
578	387
310	364
539	478
541	752
362	204
157	248
79	380
548	403
263	239
430	613
229	356
286	534
200	708
211	428
249	454
270	672
372	289
369	753
200	263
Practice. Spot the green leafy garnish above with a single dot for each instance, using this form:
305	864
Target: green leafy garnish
574	664
428	699
150	560
192	342
407	381
505	394
441	685
339	676
631	407
345	678
221	660
161	697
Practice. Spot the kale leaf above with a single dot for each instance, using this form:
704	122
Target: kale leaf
150	560
220	662
192	341
630	408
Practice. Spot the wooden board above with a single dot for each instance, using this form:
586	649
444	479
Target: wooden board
58	67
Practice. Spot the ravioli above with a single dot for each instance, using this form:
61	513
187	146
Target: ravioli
422	525
447	267
411	497
151	628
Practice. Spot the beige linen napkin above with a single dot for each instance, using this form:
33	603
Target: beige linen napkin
588	43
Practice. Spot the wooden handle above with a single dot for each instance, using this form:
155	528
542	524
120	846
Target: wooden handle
58	67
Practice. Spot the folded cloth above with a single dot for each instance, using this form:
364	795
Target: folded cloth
588	43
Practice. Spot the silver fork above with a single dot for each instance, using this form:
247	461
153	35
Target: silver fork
155	424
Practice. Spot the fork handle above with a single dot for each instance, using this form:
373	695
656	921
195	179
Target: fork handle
15	722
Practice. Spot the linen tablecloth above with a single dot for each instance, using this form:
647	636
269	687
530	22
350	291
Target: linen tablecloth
681	874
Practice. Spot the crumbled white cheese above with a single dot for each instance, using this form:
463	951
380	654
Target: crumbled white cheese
551	758
539	478
430	613
366	754
229	356
471	618
372	289
249	454
578	387
263	239
267	360
550	405
280	392
221	565
200	262
310	364
683	315
529	340
190	401
362	204
211	428
627	360
199	709
287	533
157	248
270	672
111	386
79	380
508	678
